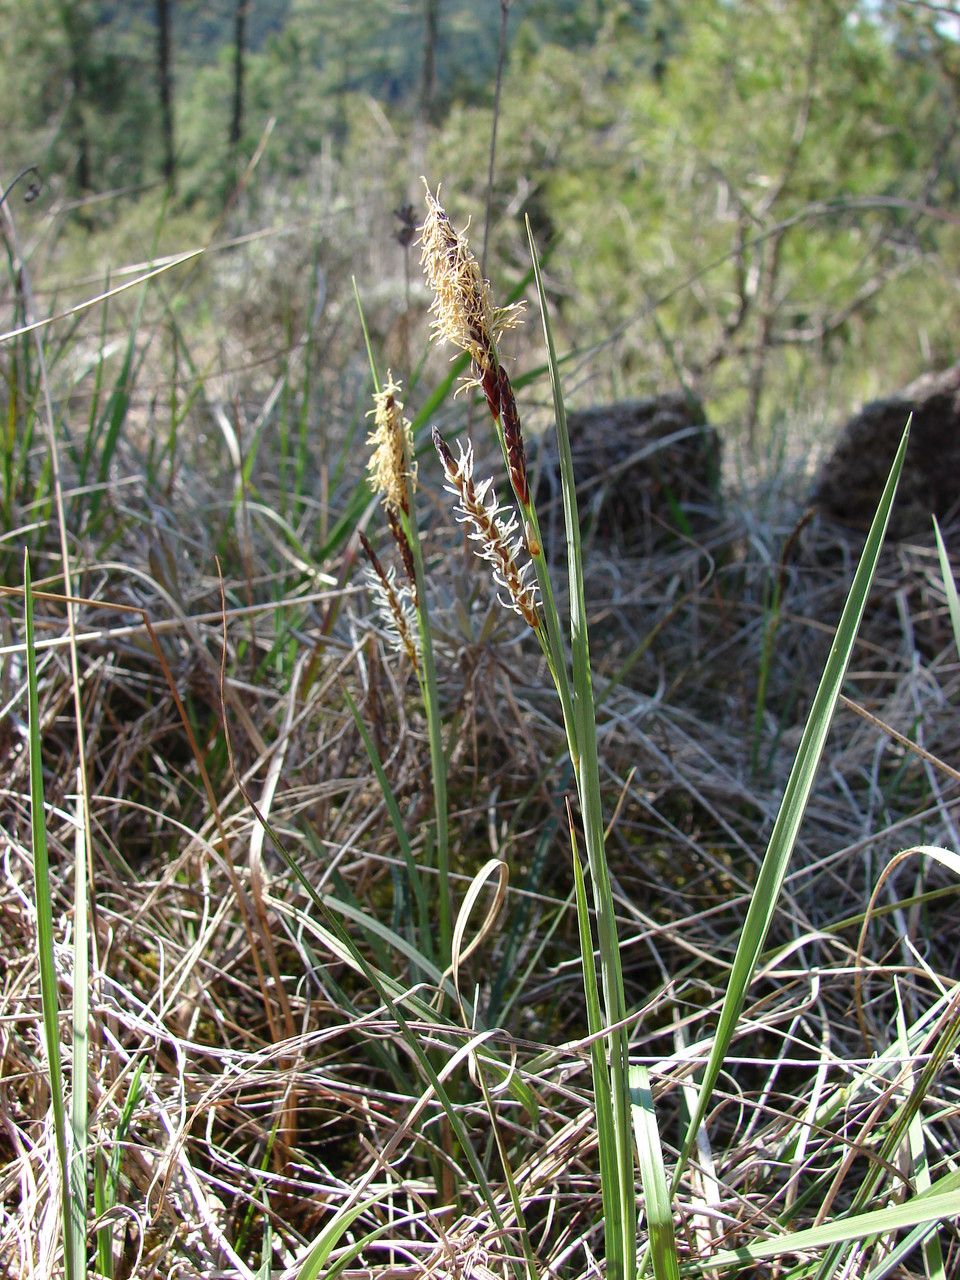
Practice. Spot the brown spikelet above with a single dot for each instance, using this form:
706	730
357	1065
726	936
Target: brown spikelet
447	460
406	554
513	439
490	383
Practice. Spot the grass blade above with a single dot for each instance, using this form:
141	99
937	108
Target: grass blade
934	1206
582	731
919	1160
45	945
606	1140
107	1176
414	878
326	1242
949	585
79	1101
763	902
653	1175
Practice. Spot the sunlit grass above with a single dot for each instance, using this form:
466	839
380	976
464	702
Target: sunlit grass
348	994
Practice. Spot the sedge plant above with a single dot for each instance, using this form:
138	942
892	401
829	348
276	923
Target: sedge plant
510	541
402	600
508	538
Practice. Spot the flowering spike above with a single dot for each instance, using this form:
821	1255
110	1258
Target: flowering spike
513	440
462	306
499	544
466	317
391	464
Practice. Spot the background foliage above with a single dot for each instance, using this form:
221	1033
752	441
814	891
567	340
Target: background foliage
755	200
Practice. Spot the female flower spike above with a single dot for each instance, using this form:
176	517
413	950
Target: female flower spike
480	509
395	605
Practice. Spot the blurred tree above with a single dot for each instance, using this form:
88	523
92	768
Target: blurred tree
239	66
79	100
165	84
431	24
77	22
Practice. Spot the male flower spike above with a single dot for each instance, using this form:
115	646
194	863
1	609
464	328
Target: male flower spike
465	316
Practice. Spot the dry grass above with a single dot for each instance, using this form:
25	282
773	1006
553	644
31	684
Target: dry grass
275	1085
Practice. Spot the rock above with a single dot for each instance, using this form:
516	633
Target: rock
640	465
849	483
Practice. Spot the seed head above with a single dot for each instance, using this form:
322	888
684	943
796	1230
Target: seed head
391	464
499	541
462	307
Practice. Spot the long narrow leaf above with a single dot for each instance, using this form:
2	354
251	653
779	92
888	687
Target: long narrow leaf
949	585
326	1242
606	1139
763	902
396	819
79	1103
936	1207
344	947
583	747
919	1160
45	943
653	1175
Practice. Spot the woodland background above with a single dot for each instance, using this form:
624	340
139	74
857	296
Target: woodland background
756	200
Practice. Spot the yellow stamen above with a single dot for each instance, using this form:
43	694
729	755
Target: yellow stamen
391	468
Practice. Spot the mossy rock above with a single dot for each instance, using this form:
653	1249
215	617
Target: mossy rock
643	467
849	484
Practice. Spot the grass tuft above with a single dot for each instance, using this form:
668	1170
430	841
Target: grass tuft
610	937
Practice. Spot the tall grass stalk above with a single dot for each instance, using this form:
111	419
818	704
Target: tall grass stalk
72	1215
618	1175
466	317
79	1097
392	470
73	1174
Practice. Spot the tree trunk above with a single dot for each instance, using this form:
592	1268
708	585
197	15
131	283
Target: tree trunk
76	27
165	85
239	59
431	23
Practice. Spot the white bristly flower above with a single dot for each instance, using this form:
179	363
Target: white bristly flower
499	540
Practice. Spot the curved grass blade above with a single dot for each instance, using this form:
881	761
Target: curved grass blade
932	1206
326	1242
